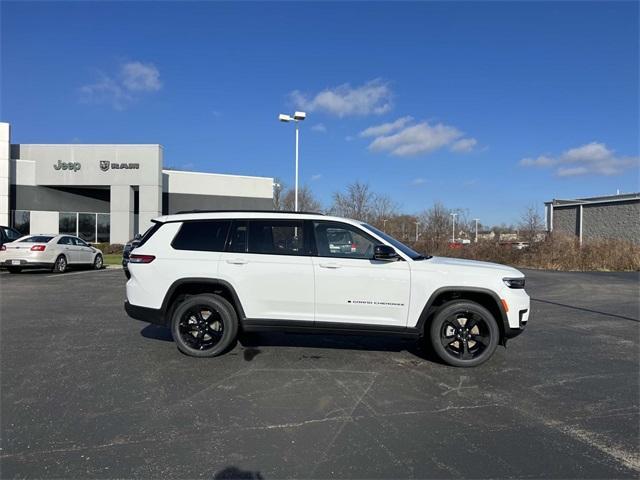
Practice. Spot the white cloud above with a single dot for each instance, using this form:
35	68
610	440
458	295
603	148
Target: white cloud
319	127
316	177
373	97
464	145
418	181
386	128
590	159
417	139
123	88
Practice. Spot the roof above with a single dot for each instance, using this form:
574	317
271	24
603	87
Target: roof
213	214
623	197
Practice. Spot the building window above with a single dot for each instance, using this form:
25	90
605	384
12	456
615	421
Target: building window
68	223
22	221
87	227
103	226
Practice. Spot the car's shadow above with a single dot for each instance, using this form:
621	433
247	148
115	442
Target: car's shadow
251	342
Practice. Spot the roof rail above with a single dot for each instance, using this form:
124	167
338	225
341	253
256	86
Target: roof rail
246	211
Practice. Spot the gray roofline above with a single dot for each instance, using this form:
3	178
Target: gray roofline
592	202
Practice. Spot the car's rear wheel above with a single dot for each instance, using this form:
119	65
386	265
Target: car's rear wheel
204	325
98	262
464	334
60	265
14	269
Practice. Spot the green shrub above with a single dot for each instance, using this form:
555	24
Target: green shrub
110	248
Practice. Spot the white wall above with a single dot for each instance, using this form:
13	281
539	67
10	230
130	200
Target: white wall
216	184
44	222
5	141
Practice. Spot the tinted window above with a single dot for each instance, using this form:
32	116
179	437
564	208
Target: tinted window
276	237
104	226
206	236
342	240
65	241
11	234
37	239
79	242
22	221
238	237
68	223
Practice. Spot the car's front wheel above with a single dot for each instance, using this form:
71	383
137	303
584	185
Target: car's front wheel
204	325
464	334
98	262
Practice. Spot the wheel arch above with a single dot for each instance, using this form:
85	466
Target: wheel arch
483	296
196	285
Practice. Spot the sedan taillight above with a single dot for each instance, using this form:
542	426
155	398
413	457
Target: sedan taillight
3	248
38	248
134	258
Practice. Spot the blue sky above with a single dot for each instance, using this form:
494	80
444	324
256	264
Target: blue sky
488	107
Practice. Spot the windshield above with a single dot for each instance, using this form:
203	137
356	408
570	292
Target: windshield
397	243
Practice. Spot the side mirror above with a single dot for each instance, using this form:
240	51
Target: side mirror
385	253
138	236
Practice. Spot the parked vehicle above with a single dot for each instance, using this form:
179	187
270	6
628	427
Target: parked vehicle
8	234
210	275
126	251
56	252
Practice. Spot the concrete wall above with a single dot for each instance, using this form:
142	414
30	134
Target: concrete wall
44	222
620	220
565	220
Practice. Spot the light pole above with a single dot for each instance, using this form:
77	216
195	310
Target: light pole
453	232
417	223
476	219
384	225
296	118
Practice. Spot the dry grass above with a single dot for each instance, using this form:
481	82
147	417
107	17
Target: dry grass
555	253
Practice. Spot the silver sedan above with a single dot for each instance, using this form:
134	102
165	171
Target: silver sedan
56	252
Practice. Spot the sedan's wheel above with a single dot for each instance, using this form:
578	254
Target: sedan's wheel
98	262
60	266
204	325
464	334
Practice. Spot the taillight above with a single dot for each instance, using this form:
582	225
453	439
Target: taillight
135	258
38	248
3	248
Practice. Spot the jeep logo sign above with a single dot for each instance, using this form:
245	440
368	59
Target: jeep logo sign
73	166
105	166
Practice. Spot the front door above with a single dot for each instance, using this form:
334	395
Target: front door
85	253
350	286
267	264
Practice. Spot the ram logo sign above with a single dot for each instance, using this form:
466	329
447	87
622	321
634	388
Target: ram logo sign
106	165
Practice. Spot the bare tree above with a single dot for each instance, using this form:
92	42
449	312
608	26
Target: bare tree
531	223
307	202
436	226
356	202
278	193
383	209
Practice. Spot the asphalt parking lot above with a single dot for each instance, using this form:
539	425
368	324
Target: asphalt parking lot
88	392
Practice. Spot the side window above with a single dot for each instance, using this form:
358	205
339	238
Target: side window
79	242
342	240
204	236
276	237
65	241
238	237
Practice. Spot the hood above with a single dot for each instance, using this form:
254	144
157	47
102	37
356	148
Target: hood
459	263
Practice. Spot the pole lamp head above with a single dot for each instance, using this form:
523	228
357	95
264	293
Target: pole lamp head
299	116
284	118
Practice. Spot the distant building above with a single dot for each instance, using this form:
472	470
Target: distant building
508	237
484	236
607	217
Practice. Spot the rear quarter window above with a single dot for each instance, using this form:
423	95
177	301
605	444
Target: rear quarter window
202	236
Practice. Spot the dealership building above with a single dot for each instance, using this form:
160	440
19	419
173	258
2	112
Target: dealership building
108	193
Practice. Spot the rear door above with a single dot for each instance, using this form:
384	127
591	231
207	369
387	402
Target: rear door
268	263
350	286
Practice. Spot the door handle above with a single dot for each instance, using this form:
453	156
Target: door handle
329	265
237	261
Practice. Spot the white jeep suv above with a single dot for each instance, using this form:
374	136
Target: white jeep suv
210	275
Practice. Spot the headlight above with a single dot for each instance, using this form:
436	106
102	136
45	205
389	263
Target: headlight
514	282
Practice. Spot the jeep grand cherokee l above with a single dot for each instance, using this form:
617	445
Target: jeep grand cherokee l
210	275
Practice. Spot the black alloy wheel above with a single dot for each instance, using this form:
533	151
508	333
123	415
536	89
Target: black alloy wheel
464	334
204	325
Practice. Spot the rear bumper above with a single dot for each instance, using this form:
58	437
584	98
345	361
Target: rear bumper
24	264
149	315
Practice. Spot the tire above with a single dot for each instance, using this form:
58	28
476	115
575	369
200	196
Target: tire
60	265
14	269
455	342
98	262
195	333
